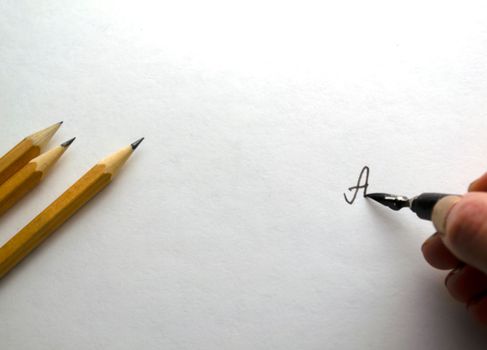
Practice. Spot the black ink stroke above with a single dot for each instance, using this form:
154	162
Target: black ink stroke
365	170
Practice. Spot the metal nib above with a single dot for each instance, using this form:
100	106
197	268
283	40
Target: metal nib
392	201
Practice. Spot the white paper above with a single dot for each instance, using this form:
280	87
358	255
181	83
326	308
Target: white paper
228	229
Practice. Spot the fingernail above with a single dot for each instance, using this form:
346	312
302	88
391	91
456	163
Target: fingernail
441	211
472	184
453	274
428	240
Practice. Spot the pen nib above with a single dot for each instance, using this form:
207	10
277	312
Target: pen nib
390	200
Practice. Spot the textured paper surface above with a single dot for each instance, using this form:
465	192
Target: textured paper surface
228	228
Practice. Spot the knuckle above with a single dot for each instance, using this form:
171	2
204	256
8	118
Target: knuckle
466	222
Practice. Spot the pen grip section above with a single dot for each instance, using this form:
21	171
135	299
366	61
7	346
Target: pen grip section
423	204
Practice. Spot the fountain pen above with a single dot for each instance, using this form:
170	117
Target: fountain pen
422	205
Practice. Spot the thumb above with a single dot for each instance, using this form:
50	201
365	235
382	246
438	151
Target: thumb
462	223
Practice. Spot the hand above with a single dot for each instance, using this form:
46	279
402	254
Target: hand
462	248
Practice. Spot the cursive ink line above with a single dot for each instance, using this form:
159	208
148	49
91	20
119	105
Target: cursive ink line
365	170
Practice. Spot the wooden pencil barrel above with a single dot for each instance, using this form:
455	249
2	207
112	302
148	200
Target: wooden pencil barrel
27	149
16	158
34	233
18	186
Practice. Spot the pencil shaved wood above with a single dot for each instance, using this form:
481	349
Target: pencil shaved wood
27	149
44	224
23	181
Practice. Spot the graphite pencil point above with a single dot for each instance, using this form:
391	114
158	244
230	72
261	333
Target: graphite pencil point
136	143
66	205
67	143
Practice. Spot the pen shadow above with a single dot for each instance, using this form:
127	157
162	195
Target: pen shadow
445	315
391	223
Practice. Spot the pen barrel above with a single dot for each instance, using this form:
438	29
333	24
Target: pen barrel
423	204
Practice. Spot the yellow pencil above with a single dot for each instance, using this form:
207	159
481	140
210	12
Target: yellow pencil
23	181
44	224
24	151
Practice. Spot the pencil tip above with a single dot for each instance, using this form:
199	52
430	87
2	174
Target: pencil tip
60	122
67	143
136	143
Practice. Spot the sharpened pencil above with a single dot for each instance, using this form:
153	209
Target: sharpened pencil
44	224
23	181
24	151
